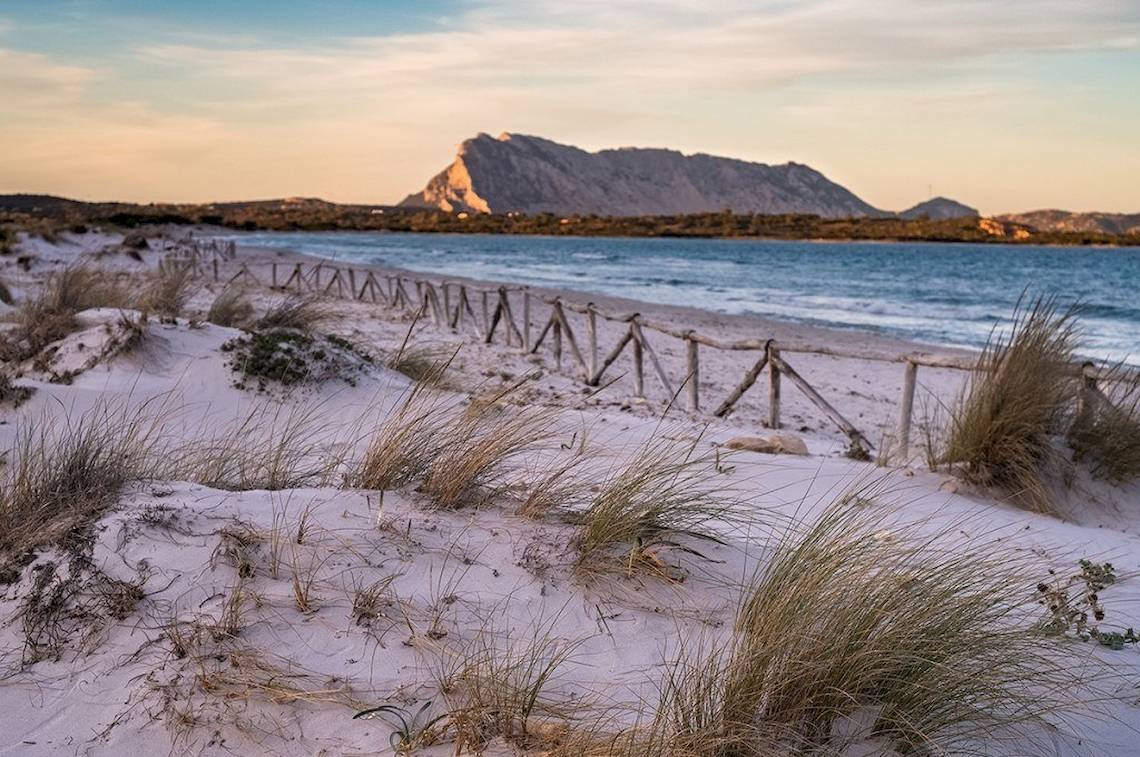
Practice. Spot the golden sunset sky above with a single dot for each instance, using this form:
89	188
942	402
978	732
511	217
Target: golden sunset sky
1005	106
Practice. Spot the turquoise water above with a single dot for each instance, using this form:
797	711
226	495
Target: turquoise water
942	294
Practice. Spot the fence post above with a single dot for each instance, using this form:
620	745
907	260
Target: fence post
592	336
773	387
1088	387
906	407
526	319
215	262
638	367
557	344
274	266
694	374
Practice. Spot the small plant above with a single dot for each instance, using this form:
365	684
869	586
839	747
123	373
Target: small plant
304	578
12	394
427	365
289	357
502	688
411	730
368	601
1071	601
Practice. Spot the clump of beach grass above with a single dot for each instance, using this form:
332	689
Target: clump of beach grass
272	447
458	455
923	649
504	687
1106	434
64	472
230	308
478	449
167	291
296	311
665	495
1017	399
405	443
51	314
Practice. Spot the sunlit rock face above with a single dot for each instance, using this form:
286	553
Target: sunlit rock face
519	173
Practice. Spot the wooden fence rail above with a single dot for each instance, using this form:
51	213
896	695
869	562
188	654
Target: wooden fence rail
496	315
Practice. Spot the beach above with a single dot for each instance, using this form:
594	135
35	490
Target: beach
268	609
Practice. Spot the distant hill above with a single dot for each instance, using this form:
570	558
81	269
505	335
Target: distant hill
27	203
525	174
1066	221
939	208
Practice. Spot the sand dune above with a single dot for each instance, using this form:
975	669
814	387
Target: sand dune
258	612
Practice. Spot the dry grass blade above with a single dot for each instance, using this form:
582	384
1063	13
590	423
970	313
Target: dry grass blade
66	471
300	312
1016	400
663	494
927	650
230	308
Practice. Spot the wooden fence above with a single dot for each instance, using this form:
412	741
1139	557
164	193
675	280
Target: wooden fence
487	312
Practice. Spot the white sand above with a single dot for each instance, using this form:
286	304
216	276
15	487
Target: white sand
454	572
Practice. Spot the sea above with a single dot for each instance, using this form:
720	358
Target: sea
938	294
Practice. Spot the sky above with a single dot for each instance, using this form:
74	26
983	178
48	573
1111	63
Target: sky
1006	105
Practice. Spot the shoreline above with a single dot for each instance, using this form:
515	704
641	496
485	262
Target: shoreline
747	325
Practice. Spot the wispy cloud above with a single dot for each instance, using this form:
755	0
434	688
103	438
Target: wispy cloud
369	117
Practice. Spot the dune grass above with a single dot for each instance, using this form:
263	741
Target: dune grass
64	472
272	447
295	311
504	686
230	308
664	498
51	314
1107	437
167	291
478	449
1019	397
405	443
853	632
458	455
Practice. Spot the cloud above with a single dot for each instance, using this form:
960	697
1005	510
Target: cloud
28	78
371	117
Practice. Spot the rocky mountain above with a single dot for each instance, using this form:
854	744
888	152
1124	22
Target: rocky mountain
939	208
1064	220
525	174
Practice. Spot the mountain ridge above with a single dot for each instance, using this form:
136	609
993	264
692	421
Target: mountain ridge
518	173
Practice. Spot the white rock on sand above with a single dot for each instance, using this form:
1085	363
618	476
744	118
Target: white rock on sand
287	567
